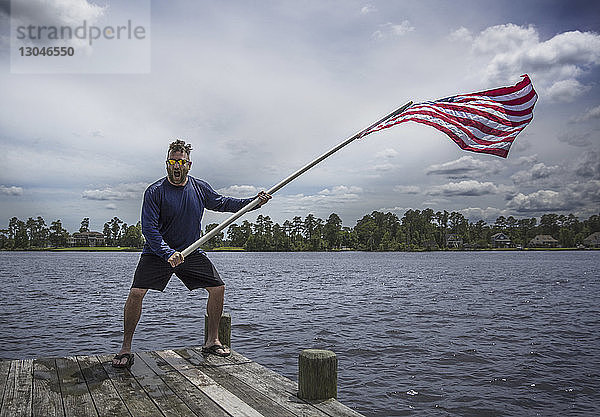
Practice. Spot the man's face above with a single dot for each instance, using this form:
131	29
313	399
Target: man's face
177	173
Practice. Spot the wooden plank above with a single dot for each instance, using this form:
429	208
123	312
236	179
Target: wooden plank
226	400
198	402
4	371
247	394
330	407
197	358
335	408
239	370
133	395
162	395
76	397
18	389
281	389
104	395
47	400
225	376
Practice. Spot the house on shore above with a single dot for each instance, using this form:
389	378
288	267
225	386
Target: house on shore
592	241
543	241
86	239
500	240
454	241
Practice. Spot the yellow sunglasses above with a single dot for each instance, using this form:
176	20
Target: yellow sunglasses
181	162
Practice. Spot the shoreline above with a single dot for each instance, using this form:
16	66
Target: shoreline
239	249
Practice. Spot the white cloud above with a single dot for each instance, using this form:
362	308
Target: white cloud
556	63
588	165
239	191
463	166
111	206
328	197
399	211
566	91
537	172
342	190
407	189
117	192
462	34
467	188
383	167
590	114
577	196
391	30
57	13
576	138
12	190
369	8
505	38
388	153
489	214
542	200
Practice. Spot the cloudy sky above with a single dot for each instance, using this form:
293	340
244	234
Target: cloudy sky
262	88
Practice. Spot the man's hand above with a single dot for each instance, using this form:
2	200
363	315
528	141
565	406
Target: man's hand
176	259
264	198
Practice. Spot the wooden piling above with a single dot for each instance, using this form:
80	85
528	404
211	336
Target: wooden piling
224	329
317	374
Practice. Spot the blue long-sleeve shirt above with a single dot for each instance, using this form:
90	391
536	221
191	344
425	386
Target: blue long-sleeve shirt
172	216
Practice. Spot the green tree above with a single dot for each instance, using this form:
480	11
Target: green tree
37	232
107	232
12	230
85	225
133	236
58	235
217	240
296	233
281	240
21	240
115	227
441	219
332	231
238	235
549	224
4	241
366	233
566	237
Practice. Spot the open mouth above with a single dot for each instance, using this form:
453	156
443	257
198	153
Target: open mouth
177	175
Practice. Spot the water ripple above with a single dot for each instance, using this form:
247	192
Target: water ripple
416	334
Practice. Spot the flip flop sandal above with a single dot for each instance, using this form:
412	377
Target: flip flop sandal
218	350
130	359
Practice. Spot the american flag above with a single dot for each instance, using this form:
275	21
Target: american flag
488	121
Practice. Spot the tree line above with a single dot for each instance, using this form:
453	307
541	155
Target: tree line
415	230
35	233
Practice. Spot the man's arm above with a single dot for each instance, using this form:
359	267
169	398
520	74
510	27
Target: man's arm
150	215
216	202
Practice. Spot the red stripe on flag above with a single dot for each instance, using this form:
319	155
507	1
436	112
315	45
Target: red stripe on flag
494	151
487	111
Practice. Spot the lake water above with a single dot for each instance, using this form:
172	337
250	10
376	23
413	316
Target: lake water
416	334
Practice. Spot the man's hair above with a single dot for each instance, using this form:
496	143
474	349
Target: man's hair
180	146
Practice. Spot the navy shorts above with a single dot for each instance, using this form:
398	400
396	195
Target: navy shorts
197	271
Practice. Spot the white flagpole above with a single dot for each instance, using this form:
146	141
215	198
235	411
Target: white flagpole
286	181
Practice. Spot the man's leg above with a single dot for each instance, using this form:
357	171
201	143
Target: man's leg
131	316
214	308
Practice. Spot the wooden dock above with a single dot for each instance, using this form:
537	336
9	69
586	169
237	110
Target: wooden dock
180	382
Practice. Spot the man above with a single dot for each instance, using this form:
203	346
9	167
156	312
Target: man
171	221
